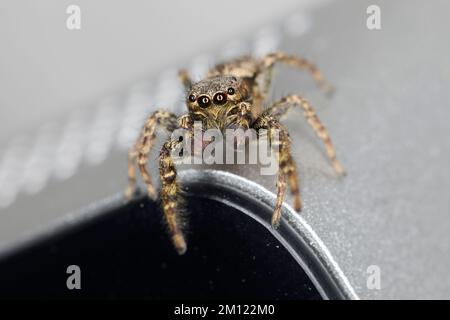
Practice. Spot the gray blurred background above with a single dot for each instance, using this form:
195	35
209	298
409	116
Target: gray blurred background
71	103
46	69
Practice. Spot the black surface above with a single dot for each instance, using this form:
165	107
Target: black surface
127	254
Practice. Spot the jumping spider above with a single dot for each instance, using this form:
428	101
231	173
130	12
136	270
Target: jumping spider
232	94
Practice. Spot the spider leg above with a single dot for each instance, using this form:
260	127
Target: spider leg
280	108
140	151
242	117
269	61
170	196
131	187
290	170
185	79
259	96
286	164
281	191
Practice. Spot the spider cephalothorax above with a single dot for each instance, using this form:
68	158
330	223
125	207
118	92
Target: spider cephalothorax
216	100
231	96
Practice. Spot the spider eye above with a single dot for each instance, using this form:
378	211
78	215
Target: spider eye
192	98
230	91
203	101
220	98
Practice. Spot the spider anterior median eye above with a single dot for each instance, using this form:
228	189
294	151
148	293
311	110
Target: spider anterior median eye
230	91
220	98
204	101
192	98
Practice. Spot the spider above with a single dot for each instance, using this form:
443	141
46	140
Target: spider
231	94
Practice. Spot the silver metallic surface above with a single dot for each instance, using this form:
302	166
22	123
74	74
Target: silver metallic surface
388	120
249	197
294	232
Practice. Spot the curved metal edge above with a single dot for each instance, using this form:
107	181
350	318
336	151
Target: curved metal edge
294	232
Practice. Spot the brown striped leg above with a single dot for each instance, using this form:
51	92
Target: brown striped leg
286	165
183	75
140	151
241	116
278	109
291	172
131	187
170	196
281	191
269	61
261	88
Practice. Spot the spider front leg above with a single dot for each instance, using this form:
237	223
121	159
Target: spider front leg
268	62
239	116
286	164
170	195
290	169
280	108
141	149
185	79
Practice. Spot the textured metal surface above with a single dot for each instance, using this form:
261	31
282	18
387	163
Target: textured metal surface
294	232
388	120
